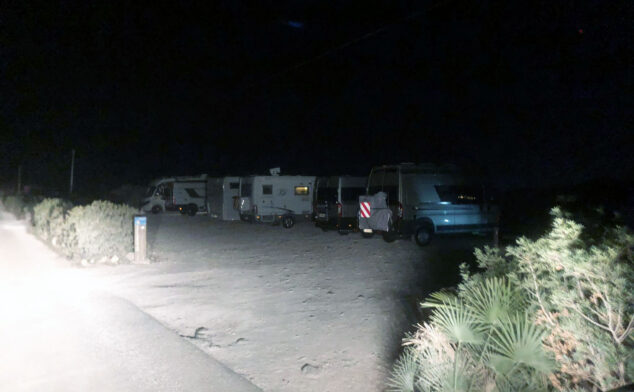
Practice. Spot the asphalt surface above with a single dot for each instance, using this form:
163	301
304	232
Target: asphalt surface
60	331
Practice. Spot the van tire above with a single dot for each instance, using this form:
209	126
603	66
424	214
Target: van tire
423	235
389	236
192	209
157	209
288	221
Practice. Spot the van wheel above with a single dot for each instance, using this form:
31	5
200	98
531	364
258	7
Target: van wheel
423	235
192	209
342	232
157	209
288	221
389	236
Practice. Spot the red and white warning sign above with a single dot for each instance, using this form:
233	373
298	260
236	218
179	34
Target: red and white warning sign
365	209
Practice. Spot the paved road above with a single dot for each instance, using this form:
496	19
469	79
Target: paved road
60	332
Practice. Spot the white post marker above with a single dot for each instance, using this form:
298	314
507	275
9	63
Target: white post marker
140	240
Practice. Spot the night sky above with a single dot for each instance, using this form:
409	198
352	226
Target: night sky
532	93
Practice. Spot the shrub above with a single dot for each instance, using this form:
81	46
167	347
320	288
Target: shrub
49	218
557	297
99	229
14	205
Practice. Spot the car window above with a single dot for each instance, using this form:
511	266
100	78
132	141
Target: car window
460	194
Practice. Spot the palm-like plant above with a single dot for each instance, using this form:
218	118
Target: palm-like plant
479	340
558	296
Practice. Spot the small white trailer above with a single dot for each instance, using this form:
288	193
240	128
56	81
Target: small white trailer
222	198
276	199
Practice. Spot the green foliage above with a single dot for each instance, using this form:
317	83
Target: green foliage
552	314
99	229
15	205
48	219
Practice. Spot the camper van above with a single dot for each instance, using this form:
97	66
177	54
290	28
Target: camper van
276	199
222	198
185	194
425	200
337	202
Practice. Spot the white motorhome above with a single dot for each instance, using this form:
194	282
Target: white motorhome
427	199
276	199
185	194
222	198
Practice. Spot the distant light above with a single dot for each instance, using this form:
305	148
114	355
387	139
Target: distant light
446	220
295	24
580	31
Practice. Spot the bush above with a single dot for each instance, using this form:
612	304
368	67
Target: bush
49	218
99	229
554	298
15	205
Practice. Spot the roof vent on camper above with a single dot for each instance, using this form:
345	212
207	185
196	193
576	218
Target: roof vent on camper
275	171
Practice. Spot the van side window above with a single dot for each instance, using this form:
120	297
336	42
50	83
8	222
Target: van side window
375	183
234	185
267	189
459	194
301	190
351	194
192	193
246	190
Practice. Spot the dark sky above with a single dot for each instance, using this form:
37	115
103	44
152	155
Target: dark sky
533	92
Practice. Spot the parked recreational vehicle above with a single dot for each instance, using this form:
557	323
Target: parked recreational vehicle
337	202
276	199
425	200
222	198
185	194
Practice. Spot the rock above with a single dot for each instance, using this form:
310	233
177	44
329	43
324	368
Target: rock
114	259
84	263
130	256
102	260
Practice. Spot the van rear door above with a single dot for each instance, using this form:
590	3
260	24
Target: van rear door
327	195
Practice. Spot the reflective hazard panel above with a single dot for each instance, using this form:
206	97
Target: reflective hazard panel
365	209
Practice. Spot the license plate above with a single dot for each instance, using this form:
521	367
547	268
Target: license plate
322	215
367	230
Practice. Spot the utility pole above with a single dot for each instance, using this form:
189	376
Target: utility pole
19	179
72	172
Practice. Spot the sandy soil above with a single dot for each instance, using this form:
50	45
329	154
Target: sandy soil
291	310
